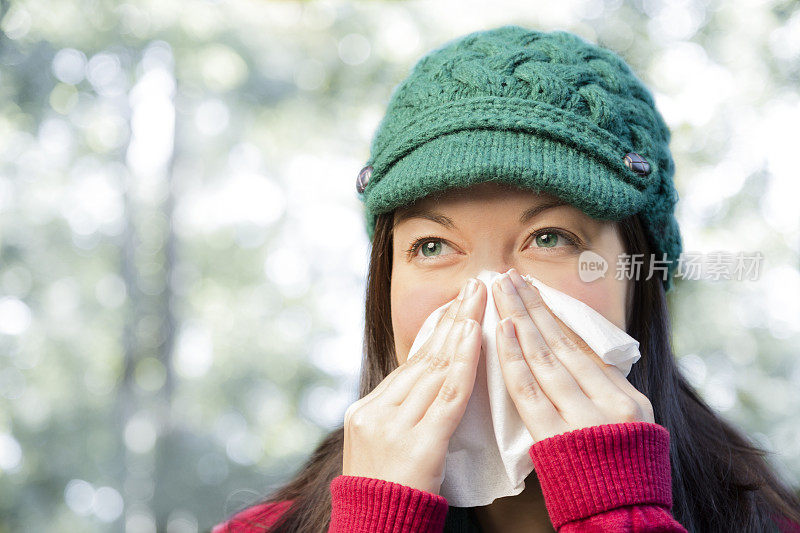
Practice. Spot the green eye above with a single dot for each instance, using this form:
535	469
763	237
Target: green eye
431	248
547	240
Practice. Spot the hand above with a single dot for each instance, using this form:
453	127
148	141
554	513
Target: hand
556	381
401	430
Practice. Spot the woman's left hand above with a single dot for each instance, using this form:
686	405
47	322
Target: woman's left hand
556	381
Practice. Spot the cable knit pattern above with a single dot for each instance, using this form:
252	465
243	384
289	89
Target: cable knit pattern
546	111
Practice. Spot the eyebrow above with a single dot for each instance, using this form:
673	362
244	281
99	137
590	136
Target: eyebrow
421	212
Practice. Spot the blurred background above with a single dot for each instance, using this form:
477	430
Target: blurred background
183	255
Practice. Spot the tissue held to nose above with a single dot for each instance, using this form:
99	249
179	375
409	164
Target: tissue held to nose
613	345
488	456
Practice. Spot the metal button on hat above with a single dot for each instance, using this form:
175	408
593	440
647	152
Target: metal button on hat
363	178
637	163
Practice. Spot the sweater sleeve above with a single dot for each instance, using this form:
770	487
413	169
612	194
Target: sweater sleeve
369	505
786	525
359	505
255	518
610	477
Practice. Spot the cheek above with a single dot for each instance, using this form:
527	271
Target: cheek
410	308
605	295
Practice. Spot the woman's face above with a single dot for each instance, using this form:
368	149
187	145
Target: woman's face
440	242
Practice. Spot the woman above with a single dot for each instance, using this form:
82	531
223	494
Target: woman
515	151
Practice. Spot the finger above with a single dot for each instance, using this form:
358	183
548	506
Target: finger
436	366
556	381
410	366
440	332
580	343
614	374
573	354
396	391
447	408
533	405
429	386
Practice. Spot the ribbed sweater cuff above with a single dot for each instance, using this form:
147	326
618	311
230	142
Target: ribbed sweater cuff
598	468
361	504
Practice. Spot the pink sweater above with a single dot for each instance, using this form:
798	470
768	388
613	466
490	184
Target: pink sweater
611	477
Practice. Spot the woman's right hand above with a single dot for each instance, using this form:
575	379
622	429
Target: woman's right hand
401	430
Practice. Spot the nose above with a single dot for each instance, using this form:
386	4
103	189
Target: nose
501	268
496	255
496	266
493	266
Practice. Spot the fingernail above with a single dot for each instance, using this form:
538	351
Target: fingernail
470	288
461	293
516	278
506	285
507	327
468	326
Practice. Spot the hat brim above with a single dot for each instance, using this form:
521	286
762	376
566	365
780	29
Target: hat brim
535	162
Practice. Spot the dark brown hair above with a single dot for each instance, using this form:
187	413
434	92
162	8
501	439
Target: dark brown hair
720	480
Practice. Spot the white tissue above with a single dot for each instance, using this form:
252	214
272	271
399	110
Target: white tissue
488	453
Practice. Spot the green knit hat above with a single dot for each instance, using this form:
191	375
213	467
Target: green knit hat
546	111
